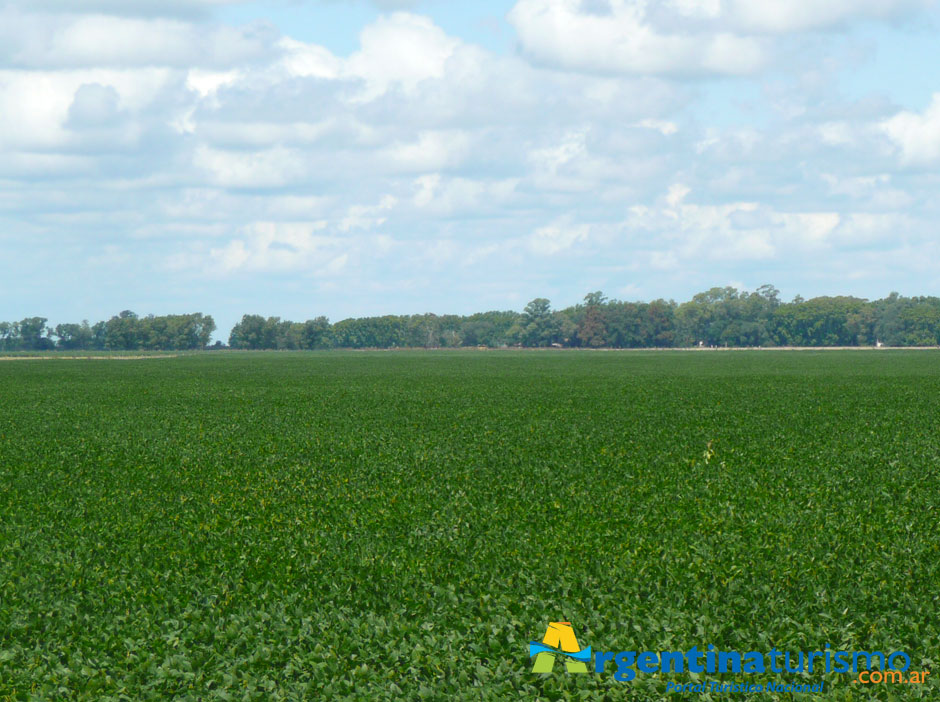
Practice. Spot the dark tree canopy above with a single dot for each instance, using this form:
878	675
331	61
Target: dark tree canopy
123	332
717	317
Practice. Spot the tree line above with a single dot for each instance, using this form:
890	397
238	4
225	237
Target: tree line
123	332
724	317
718	317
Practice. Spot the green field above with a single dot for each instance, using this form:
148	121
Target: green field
400	525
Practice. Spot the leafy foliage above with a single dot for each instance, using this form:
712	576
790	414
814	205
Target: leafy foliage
123	332
399	526
720	317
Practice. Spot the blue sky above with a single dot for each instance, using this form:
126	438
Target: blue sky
346	158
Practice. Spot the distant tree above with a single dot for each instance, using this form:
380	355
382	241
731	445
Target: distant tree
123	332
822	321
370	332
316	334
474	333
860	325
8	333
660	323
623	321
250	333
539	327
190	331
33	334
490	329
99	336
592	329
288	336
74	336
721	316
422	331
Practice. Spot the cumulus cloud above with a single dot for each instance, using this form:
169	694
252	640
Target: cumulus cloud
130	7
737	231
558	237
265	168
92	40
275	246
43	109
368	216
619	36
785	16
916	134
419	161
464	196
402	49
94	105
304	60
432	150
396	51
679	37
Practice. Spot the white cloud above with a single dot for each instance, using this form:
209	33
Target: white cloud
262	134
426	186
837	133
664	127
785	16
35	106
132	7
624	39
94	104
872	191
677	194
738	231
550	158
91	40
304	60
916	135
266	168
206	83
275	246
557	237
37	165
368	216
433	150
400	50
679	37
422	160
876	229
466	196
311	248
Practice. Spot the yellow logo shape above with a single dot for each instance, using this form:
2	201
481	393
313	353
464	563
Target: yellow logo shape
559	636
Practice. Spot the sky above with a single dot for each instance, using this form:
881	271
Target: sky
299	158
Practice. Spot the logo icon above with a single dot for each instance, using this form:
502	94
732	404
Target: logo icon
559	642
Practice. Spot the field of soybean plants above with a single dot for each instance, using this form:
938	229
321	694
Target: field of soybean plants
400	525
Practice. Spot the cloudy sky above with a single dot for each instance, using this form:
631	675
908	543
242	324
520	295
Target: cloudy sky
348	158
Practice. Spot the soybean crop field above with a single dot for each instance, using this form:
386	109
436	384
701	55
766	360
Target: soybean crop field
400	525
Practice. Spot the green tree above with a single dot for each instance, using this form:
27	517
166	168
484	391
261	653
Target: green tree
316	334
591	329
538	324
250	333
74	336
33	334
